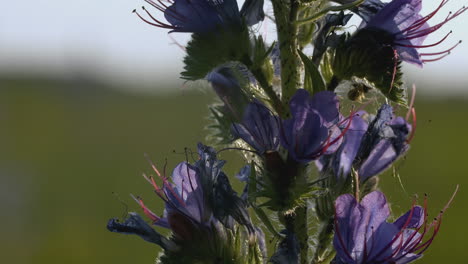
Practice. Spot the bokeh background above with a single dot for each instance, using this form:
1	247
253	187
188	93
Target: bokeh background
86	89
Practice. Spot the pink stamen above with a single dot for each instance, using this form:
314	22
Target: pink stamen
441	52
166	184
148	22
146	211
397	236
419	23
409	242
436	59
416	34
343	132
423	46
153	182
156	20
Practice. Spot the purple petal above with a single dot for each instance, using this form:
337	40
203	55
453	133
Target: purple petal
334	141
224	83
417	218
299	101
259	128
381	156
192	16
188	187
135	225
347	217
252	11
396	16
410	55
239	130
409	238
351	144
307	135
326	103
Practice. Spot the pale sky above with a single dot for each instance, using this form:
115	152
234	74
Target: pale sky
106	39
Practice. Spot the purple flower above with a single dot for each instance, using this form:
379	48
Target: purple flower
135	225
369	146
228	89
366	10
405	29
363	236
186	212
312	131
202	16
252	11
225	204
186	209
259	128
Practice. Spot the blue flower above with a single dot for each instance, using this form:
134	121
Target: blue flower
203	16
252	11
366	10
227	87
363	236
224	202
405	29
186	209
369	146
259	128
135	225
312	131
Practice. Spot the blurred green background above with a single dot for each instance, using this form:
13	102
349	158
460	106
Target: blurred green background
73	151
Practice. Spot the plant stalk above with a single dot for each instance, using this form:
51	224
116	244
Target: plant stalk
286	13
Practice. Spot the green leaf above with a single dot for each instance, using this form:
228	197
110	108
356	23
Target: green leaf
207	51
265	220
252	189
220	127
313	81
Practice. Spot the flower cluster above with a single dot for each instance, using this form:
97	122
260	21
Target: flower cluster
312	157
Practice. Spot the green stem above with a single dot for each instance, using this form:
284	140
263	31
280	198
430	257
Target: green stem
286	17
324	251
297	223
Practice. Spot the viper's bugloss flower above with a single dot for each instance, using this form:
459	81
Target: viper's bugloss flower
227	87
224	202
312	131
202	16
259	128
400	25
186	211
370	145
184	201
363	235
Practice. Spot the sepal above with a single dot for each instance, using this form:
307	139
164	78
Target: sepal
363	56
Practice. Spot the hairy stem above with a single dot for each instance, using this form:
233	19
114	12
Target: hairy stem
324	251
286	13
